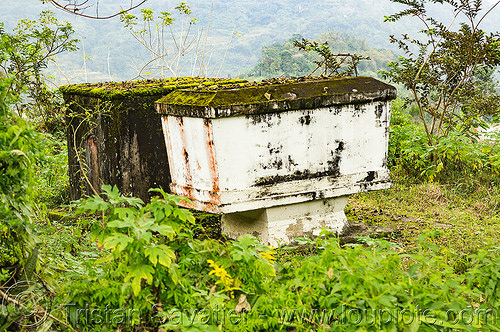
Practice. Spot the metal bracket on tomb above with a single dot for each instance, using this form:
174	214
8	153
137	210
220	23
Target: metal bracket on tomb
278	160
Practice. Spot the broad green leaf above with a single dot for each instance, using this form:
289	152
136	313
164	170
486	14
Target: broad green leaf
175	274
138	272
160	254
414	326
247	241
133	201
121	223
117	241
106	188
184	215
162	229
93	204
125	213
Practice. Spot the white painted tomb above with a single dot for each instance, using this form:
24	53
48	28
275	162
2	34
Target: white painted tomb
278	160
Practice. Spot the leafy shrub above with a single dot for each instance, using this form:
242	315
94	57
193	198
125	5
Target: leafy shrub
357	288
51	187
25	52
457	156
442	68
153	273
140	260
152	263
18	146
484	277
23	55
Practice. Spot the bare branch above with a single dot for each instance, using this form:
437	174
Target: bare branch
78	7
487	13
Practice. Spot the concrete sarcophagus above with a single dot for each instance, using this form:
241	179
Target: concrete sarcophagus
278	160
114	134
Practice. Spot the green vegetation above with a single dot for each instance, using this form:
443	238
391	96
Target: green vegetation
46	38
442	69
461	156
111	262
294	59
17	150
182	283
23	55
458	207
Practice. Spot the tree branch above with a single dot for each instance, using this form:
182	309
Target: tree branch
487	13
79	7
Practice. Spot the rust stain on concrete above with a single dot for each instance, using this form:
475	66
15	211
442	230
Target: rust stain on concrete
94	163
189	180
214	194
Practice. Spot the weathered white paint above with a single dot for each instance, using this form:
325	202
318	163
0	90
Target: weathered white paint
269	149
279	175
281	224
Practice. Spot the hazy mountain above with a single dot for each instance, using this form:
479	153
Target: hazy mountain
111	51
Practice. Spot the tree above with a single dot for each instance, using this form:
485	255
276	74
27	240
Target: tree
168	38
442	68
319	56
82	8
283	60
26	52
340	64
153	33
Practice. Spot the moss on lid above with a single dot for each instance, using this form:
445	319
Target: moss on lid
268	97
120	90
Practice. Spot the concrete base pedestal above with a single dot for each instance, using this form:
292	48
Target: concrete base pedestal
281	224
